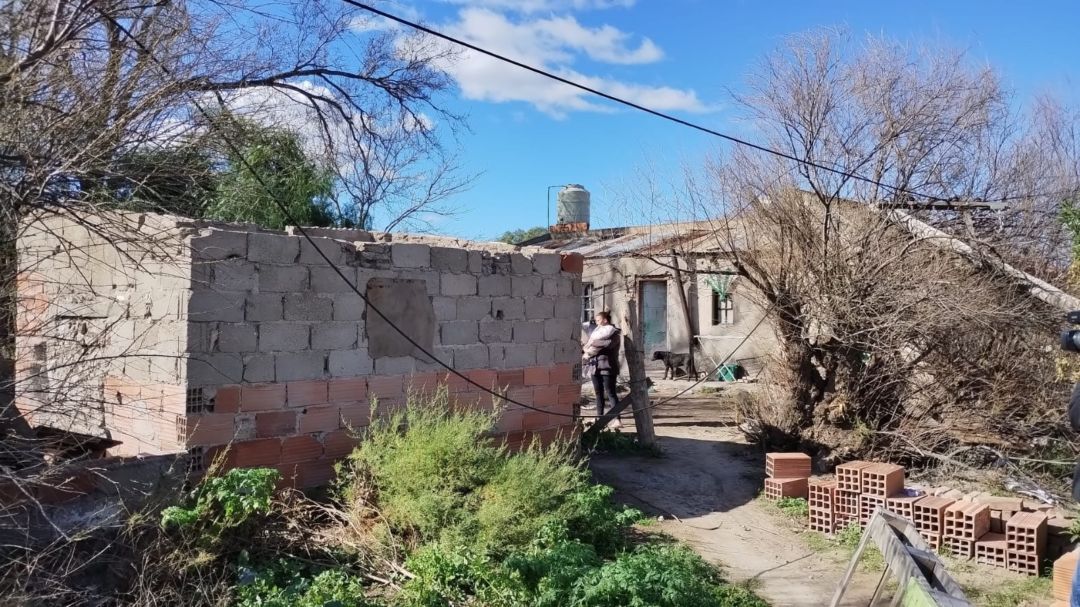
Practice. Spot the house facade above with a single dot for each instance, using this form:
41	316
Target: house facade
631	272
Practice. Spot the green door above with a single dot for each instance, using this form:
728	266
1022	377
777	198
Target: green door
654	316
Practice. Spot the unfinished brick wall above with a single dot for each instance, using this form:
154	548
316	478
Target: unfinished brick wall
279	359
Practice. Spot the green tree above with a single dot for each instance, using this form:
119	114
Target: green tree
516	236
263	163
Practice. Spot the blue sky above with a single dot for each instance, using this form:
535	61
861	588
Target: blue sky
682	56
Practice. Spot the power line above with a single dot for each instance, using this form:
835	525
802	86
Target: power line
736	140
303	232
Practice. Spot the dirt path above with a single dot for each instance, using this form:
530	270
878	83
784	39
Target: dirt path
705	486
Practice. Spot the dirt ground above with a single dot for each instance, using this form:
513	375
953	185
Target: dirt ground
705	486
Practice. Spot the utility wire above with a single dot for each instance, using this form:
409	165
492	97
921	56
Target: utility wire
212	121
736	140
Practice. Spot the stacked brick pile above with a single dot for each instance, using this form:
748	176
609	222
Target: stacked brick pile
999	531
786	475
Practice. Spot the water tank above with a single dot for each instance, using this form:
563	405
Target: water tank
573	205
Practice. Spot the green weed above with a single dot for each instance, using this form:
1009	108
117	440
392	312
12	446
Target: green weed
794	507
1030	591
623	443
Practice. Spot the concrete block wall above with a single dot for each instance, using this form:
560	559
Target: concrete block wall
100	336
286	359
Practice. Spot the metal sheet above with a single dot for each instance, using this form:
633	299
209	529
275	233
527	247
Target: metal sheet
654	316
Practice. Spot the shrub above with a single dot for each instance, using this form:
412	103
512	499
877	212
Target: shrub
289	583
659	576
223	503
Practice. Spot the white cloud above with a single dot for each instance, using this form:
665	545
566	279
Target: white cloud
554	44
535	6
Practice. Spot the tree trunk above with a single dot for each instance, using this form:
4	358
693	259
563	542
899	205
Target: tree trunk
639	391
692	368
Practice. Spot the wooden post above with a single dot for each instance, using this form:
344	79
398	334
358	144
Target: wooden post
635	366
639	390
692	368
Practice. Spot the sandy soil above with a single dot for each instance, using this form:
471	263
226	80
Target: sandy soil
705	487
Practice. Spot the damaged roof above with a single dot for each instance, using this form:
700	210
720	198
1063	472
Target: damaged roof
693	237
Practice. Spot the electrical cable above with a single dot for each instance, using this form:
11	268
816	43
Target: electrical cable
303	232
736	140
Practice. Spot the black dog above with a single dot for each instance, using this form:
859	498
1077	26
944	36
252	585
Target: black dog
673	363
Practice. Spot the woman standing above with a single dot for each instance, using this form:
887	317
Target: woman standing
600	361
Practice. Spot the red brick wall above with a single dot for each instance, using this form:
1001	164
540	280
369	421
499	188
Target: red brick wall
304	427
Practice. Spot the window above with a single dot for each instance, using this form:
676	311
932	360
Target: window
723	309
588	308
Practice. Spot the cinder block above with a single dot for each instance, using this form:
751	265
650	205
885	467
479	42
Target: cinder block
326	279
507	308
551	289
526	286
295	366
849	476
263	307
308	306
776	488
216	306
237	337
528	332
474	356
446	308
1025	532
476	262
410	255
567	352
275	423
216	245
469	308
284	336
882	480
493	285
568	307
539	308
510	356
334	250
459	332
283	279
787	465
547	263
395	365
234	275
448	259
350	363
558	329
273	248
348	306
258	368
214	369
545	353
991	549
456	285
930	515
333	336
519	264
245	427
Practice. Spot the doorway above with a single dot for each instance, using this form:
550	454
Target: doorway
653	316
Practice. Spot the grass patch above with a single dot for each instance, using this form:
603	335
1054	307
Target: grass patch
624	443
1016	593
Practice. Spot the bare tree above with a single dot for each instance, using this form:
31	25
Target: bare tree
85	83
890	339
